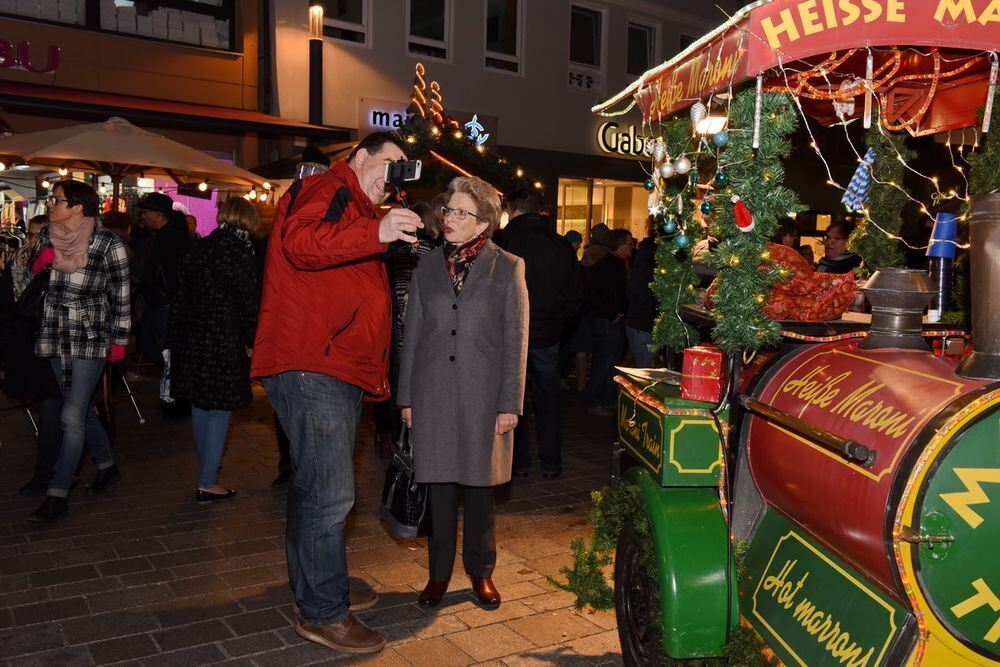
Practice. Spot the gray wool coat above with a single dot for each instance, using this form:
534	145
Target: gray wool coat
463	363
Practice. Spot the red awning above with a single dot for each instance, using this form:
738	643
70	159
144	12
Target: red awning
52	100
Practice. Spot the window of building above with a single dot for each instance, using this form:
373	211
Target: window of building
587	46
208	23
429	28
640	48
583	203
503	34
347	21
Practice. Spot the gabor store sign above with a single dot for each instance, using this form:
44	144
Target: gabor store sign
20	55
616	140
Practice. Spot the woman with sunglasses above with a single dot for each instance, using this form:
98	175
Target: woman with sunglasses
85	322
461	382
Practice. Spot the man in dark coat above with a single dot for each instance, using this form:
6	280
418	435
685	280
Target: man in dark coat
554	297
158	279
605	288
642	304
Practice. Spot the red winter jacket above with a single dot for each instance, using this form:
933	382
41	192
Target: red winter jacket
325	305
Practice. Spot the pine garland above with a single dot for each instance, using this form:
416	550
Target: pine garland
876	249
745	272
984	163
674	280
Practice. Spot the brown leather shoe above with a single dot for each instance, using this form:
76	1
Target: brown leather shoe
432	593
486	593
348	635
362	595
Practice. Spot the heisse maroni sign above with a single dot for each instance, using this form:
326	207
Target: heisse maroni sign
615	140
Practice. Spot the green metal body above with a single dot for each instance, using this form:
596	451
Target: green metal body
678	443
691	543
811	607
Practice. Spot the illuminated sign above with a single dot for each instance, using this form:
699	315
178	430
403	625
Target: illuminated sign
476	134
615	140
17	55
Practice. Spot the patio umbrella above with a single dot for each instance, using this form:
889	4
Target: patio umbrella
118	148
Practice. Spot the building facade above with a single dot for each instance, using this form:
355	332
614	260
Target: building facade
528	69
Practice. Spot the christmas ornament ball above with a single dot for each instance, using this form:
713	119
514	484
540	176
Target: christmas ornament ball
666	170
681	241
698	112
682	165
721	179
649	185
669	226
707	207
721	139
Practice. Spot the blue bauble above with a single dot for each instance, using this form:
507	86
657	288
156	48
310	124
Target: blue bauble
669	226
681	241
721	139
649	185
707	207
721	178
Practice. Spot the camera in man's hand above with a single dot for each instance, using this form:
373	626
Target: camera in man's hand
402	171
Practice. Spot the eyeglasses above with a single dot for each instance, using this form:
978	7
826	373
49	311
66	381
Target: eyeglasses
459	213
55	200
828	238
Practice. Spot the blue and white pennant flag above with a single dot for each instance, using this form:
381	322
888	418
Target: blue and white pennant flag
857	190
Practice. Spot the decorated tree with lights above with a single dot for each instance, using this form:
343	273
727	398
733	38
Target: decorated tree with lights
874	240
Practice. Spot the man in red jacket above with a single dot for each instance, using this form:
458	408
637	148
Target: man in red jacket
322	344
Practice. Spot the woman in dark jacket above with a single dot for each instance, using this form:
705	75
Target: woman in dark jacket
212	323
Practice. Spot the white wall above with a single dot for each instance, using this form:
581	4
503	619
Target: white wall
536	109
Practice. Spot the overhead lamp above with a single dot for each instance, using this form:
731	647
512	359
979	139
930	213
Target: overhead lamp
267	185
63	171
102	190
2	166
711	124
252	194
316	20
203	186
263	196
45	184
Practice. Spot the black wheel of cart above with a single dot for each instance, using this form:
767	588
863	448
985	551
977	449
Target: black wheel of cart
635	604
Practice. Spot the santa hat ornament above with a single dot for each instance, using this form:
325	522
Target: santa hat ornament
742	216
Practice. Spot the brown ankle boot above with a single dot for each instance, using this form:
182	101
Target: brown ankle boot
348	635
432	593
486	593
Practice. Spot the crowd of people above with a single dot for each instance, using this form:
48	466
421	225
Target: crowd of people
434	312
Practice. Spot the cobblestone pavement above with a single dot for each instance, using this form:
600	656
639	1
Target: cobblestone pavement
143	575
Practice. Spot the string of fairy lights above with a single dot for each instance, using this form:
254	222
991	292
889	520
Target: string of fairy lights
873	87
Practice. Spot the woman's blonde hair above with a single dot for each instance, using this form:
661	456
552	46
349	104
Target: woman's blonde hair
238	212
485	196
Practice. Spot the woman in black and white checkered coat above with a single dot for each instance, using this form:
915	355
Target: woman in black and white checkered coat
85	322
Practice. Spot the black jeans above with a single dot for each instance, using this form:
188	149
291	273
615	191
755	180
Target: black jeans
479	545
49	438
543	378
608	349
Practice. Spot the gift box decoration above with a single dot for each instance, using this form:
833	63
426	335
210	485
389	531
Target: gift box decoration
702	374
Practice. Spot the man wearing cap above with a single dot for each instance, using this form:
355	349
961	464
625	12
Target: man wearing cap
322	345
158	277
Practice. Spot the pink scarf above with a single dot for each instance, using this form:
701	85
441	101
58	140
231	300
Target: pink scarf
71	246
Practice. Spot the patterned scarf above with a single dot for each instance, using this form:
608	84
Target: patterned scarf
460	258
242	234
71	246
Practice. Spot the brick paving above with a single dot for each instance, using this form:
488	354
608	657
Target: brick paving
145	576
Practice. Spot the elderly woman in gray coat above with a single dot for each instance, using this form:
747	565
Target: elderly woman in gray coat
461	382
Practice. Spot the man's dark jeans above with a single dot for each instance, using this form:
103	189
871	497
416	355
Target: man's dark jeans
320	415
543	378
609	345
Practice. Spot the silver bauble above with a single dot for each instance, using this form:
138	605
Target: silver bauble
666	170
659	151
682	165
698	112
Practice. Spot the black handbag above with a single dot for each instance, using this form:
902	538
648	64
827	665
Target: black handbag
31	304
404	508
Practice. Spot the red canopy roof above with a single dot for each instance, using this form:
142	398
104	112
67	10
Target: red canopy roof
931	60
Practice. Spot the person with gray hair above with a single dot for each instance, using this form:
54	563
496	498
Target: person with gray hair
461	382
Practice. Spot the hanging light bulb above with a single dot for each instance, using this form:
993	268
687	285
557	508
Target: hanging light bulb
46	184
252	194
263	196
2	166
203	186
63	171
102	190
267	185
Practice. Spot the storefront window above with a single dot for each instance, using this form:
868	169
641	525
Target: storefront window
206	23
618	204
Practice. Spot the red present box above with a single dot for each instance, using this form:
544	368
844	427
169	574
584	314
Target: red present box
702	374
